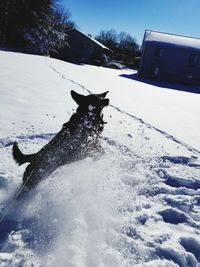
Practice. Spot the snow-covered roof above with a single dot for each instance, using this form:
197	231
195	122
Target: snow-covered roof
94	40
172	39
97	42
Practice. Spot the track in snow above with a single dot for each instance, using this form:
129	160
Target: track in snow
148	125
133	207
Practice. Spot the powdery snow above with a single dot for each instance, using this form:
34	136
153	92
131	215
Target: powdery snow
137	205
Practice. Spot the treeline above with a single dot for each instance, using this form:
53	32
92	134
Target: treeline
37	26
125	47
40	27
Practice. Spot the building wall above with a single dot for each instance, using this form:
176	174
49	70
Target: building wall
170	63
81	48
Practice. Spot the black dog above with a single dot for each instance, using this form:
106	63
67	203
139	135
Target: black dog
77	138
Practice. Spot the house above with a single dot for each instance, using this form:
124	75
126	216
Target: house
171	58
84	49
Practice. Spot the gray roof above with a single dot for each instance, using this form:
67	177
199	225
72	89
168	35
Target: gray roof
172	39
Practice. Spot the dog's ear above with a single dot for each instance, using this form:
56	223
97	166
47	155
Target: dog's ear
103	95
77	97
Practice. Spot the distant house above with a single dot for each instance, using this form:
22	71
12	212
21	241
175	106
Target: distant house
84	49
171	58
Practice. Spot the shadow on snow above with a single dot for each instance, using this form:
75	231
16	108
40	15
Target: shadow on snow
173	86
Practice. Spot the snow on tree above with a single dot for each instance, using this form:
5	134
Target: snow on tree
36	26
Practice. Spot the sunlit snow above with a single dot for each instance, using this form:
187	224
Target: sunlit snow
136	205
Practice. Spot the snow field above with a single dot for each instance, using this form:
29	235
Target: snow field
137	205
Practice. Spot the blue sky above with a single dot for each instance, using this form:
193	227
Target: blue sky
134	16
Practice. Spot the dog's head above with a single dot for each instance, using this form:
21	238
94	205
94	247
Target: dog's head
93	103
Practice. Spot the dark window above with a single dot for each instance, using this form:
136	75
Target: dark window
155	71
188	78
158	52
193	58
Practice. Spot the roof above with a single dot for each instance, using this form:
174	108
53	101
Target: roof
172	39
97	42
92	39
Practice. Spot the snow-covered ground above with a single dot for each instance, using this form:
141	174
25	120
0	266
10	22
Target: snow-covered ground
137	205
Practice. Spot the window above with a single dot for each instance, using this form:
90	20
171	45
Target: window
156	71
193	58
188	78
158	52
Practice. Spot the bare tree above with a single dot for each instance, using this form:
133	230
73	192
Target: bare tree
108	38
123	45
